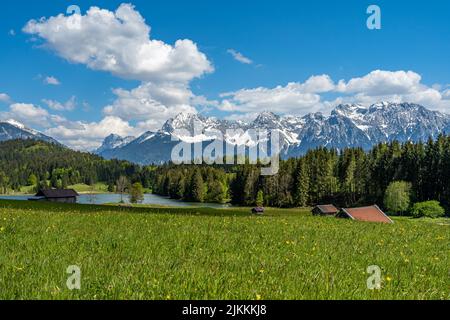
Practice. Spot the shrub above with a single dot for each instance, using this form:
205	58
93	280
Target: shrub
430	209
136	193
397	197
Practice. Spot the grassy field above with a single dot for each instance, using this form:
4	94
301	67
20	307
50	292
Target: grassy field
191	253
99	187
84	188
81	188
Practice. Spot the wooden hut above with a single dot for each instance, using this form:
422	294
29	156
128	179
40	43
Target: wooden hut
258	210
325	210
368	214
56	195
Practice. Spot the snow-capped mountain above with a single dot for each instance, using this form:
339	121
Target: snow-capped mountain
348	125
11	130
114	141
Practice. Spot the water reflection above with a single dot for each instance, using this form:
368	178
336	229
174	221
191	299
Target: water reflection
115	198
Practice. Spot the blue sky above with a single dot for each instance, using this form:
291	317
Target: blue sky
283	42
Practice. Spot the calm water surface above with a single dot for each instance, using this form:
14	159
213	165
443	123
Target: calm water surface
115	198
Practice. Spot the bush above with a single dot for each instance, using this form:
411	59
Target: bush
397	197
136	193
430	209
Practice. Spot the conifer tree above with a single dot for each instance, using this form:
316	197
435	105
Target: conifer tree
197	187
260	198
303	187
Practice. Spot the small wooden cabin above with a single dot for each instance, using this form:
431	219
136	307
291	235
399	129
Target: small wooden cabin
367	214
258	210
325	210
56	195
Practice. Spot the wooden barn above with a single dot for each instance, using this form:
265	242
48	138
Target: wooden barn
368	214
325	210
258	210
56	195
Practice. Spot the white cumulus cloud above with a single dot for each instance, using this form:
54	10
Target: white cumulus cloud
119	42
299	98
69	105
295	97
151	104
89	135
27	113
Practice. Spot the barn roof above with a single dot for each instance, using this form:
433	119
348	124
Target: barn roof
57	193
369	214
327	209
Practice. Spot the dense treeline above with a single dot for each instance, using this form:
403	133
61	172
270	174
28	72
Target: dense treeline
196	184
346	178
29	162
350	177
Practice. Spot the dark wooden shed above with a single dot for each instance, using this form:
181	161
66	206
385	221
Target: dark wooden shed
56	195
258	210
325	210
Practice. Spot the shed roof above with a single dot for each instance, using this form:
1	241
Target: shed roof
369	214
327	209
57	193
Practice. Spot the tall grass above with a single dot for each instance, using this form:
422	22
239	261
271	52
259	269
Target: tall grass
192	253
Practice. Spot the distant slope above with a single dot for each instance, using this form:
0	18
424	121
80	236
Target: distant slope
11	130
21	158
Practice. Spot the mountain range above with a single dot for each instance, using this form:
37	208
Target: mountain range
348	125
12	130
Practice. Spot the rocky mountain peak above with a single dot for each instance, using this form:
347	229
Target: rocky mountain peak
12	129
114	141
348	125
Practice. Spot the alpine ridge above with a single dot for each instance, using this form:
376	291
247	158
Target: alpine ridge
12	130
348	125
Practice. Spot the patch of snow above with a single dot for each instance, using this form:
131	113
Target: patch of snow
16	124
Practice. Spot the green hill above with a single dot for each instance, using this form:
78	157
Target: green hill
24	163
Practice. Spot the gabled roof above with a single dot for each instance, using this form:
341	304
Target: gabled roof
327	209
369	214
57	193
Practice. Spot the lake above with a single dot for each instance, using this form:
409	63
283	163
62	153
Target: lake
115	198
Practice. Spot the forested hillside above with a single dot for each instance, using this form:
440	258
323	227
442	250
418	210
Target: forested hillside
29	162
346	178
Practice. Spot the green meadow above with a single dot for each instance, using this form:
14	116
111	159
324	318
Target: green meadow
200	253
80	188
